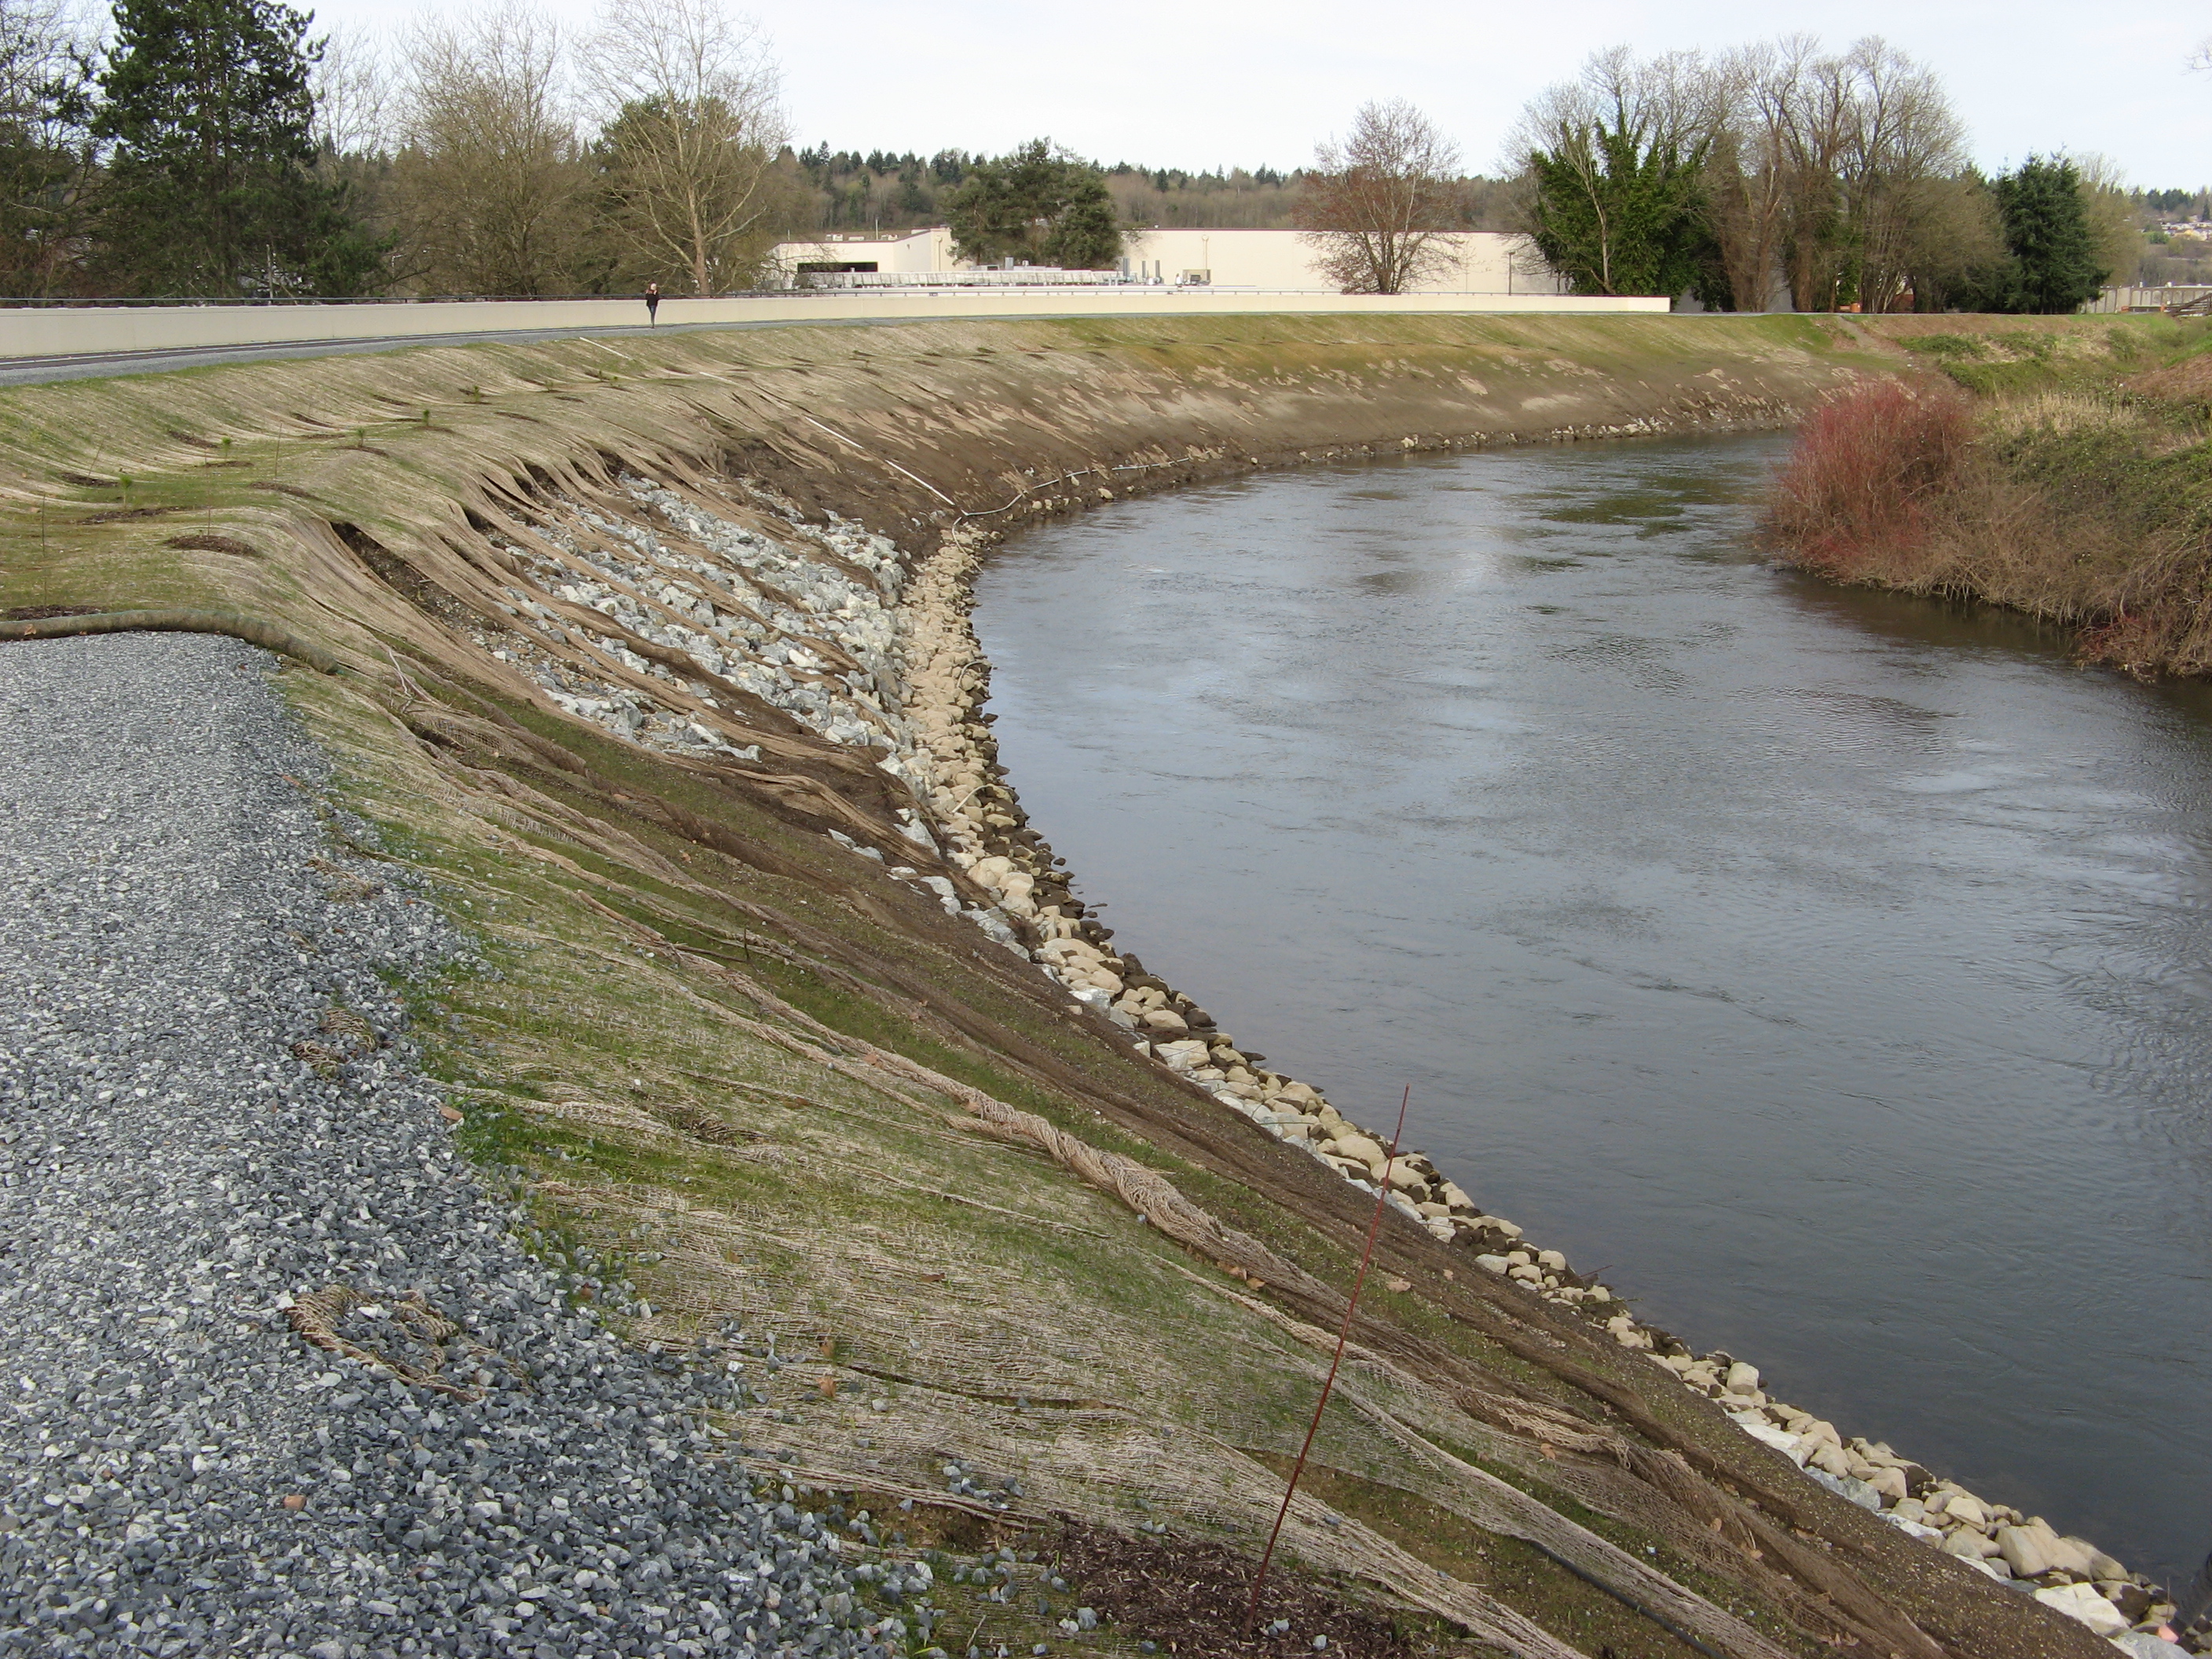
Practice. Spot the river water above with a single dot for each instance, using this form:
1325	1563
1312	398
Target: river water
1827	969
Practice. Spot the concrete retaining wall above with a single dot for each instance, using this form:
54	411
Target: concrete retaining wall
94	330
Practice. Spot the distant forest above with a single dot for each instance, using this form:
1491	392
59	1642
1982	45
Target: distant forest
886	191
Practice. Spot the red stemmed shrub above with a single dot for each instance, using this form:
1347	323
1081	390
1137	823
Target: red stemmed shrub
1855	497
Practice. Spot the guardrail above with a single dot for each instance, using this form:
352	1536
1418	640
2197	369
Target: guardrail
102	330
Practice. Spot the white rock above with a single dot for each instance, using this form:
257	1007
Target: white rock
1844	1486
2082	1603
1890	1483
1827	1455
2079	1558
1360	1147
1551	1259
1062	952
1741	1378
1497	1264
2027	1551
1780	1439
1183	1056
1405	1176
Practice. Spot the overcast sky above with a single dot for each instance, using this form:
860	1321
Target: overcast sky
1204	83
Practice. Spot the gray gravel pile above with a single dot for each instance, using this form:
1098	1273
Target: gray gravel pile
184	1473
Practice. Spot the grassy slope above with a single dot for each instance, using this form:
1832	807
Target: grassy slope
692	976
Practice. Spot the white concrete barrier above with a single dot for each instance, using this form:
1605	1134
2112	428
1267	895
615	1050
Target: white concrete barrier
92	330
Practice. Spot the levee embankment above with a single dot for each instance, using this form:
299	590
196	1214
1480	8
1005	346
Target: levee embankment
653	667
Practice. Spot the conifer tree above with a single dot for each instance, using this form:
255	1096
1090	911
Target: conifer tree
1618	209
1038	204
2055	265
207	190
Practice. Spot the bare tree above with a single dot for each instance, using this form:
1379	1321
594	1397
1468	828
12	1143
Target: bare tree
692	128
352	90
1836	172
2114	220
47	159
491	187
1904	140
1379	205
1748	180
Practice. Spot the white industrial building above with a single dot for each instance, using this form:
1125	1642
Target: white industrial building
1256	261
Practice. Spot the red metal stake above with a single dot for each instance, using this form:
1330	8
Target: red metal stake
1343	1336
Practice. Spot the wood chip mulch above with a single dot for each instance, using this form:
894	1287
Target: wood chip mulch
1189	1598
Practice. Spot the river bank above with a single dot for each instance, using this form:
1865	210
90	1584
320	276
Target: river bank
2056	469
620	684
1808	957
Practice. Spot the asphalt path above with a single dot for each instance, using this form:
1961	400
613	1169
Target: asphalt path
38	371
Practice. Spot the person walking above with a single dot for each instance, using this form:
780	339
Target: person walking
2190	1604
652	305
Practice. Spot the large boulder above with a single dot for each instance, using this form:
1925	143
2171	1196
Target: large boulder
2026	1550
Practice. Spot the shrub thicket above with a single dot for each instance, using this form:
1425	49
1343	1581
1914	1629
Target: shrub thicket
2089	508
1856	495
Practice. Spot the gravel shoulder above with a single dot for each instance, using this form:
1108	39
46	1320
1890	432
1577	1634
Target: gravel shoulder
182	1188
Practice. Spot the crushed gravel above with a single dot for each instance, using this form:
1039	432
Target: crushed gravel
181	1188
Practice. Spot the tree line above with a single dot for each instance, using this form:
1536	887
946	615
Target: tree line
213	148
217	147
1781	175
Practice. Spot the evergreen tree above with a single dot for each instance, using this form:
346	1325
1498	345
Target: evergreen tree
208	188
1037	204
2055	266
1617	210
